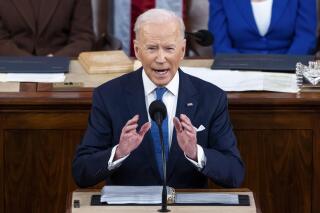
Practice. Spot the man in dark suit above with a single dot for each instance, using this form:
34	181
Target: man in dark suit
40	27
118	146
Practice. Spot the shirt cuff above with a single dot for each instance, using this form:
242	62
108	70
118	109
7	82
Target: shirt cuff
115	164
202	160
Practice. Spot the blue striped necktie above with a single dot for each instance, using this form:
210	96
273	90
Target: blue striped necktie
156	136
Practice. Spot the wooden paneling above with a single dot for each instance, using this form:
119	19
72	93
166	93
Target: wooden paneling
38	169
46	120
2	170
272	119
316	165
279	168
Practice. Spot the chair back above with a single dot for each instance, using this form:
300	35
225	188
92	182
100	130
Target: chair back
102	18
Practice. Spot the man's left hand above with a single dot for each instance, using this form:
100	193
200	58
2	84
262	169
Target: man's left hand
186	136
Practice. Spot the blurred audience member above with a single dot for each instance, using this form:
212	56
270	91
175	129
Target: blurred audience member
123	24
39	27
263	26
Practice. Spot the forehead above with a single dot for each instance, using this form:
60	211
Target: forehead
163	31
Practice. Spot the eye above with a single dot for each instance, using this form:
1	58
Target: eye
151	48
169	49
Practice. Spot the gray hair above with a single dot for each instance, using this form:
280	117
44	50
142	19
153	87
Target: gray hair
157	15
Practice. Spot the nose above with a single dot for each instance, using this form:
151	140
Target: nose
161	57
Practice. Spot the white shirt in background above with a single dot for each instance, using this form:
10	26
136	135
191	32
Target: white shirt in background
262	12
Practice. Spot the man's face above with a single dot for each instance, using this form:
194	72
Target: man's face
160	48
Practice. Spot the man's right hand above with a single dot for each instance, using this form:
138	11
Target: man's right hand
130	139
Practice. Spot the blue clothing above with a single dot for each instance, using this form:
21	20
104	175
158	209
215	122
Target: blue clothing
156	135
118	100
292	28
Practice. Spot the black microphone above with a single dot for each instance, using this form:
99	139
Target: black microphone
158	112
202	37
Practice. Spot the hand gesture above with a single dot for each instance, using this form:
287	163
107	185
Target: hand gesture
186	136
130	139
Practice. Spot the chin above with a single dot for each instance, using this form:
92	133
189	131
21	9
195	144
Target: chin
162	82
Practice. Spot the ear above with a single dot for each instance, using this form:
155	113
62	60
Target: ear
183	48
136	49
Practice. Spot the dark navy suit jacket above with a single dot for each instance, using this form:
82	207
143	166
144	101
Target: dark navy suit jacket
292	29
118	100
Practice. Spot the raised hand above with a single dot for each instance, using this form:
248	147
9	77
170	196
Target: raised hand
186	136
130	139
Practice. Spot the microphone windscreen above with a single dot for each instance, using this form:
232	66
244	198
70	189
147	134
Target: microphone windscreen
204	37
157	107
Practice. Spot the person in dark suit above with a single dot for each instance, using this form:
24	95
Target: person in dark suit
118	146
39	27
263	26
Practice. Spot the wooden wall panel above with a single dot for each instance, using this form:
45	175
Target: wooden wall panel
38	169
272	119
71	140
316	165
2	170
279	168
46	120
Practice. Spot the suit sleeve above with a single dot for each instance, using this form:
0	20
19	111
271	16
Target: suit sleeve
90	165
7	45
304	41
81	35
218	27
224	165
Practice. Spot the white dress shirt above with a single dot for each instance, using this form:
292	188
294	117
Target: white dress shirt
170	98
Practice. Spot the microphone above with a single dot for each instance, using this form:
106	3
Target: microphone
202	37
158	112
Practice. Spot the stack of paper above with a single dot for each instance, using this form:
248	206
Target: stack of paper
32	77
106	62
246	80
132	194
207	197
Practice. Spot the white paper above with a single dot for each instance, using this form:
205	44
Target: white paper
246	80
33	77
207	197
3	77
131	194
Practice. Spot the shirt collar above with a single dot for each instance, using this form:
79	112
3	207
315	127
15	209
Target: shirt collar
149	86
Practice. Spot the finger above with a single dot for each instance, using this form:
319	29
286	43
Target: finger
177	124
188	127
129	128
133	120
185	118
144	129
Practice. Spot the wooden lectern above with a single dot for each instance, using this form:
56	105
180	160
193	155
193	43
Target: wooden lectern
82	198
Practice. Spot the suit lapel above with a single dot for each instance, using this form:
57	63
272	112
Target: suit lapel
186	104
277	10
245	9
25	9
47	9
136	104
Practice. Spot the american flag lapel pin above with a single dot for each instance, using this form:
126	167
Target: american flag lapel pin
189	104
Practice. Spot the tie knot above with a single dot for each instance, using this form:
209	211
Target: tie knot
160	91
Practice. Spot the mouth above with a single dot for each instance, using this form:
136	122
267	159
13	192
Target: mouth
161	72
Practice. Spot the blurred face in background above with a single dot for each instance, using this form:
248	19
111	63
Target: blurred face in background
160	47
